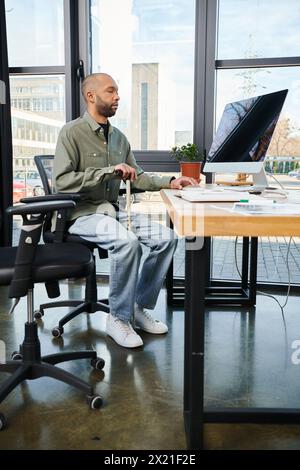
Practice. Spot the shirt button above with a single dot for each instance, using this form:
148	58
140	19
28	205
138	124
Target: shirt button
104	143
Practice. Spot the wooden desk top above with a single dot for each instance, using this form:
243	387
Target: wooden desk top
215	219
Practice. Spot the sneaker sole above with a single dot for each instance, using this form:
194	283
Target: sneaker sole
152	332
123	346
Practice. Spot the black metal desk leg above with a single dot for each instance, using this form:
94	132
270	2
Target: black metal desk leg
253	272
245	263
195	276
169	277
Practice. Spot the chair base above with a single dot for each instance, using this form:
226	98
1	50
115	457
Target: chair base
80	307
90	304
33	366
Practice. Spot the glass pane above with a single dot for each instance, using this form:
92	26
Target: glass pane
38	113
271	260
265	28
152	59
284	151
283	162
35	32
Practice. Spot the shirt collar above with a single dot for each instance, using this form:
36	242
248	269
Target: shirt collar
94	125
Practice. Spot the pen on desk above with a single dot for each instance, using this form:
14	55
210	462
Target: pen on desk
247	201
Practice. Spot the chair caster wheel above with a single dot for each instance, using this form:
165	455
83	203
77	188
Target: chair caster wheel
57	332
3	422
98	363
16	356
94	401
38	314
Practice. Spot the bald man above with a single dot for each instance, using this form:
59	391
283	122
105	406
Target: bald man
90	156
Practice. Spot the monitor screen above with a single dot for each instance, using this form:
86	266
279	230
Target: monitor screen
246	128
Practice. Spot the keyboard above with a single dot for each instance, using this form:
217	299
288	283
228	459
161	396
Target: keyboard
206	195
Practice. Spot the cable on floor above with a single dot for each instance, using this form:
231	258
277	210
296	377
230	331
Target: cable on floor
288	271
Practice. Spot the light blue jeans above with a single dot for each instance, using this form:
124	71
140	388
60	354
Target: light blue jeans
127	285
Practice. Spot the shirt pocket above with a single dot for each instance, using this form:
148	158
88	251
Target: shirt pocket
95	160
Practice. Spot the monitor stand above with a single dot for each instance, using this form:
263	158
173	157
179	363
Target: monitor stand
260	182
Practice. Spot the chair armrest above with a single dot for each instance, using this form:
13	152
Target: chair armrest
52	197
39	207
29	239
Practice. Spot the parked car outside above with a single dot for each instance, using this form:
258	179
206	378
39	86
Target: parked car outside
21	190
294	173
32	182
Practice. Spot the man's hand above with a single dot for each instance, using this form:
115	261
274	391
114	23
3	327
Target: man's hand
127	171
179	183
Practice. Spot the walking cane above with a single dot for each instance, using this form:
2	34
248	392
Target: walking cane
128	203
128	198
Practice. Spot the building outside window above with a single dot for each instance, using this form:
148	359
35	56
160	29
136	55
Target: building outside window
153	44
37	119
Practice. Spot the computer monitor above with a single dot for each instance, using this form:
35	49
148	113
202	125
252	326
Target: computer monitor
243	136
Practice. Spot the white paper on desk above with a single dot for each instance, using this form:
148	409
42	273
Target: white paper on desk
275	209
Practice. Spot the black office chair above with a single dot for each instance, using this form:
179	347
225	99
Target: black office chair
23	266
90	304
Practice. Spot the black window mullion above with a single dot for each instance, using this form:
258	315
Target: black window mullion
257	63
74	69
51	70
5	138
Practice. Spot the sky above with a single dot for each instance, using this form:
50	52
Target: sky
258	28
35	32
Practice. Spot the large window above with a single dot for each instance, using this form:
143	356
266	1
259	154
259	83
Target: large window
258	52
148	47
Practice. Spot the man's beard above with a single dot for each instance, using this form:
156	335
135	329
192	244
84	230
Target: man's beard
105	110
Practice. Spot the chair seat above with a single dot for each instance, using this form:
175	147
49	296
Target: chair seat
52	262
70	238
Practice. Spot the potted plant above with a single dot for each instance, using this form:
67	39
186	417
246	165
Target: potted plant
190	159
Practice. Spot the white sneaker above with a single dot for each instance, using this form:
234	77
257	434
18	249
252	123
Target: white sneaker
144	320
122	332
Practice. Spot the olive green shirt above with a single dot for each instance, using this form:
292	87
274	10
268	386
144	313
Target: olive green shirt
84	163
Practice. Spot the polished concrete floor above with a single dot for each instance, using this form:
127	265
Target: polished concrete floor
251	360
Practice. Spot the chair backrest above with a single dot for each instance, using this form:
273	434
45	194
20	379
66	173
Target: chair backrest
44	164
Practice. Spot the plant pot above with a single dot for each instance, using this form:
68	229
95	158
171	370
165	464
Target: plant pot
191	169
